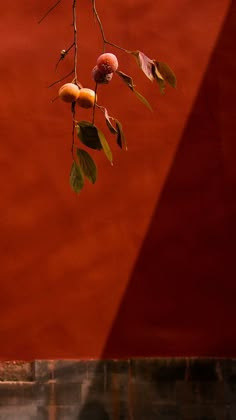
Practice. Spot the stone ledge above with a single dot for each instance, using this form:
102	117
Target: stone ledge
150	369
16	371
166	389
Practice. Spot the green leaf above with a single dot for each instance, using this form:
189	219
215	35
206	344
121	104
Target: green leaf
167	73
76	178
129	82
88	134
145	63
109	123
142	99
105	146
87	165
120	135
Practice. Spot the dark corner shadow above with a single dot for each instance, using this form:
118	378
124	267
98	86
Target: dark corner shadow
179	298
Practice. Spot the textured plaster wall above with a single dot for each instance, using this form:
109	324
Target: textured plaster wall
142	263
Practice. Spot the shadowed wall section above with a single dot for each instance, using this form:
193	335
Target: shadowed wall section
181	294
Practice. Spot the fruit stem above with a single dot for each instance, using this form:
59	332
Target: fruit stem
117	46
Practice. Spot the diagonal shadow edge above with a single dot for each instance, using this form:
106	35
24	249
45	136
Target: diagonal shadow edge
175	303
187	245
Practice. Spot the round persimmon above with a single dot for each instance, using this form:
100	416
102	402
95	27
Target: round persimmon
107	63
100	77
86	98
69	92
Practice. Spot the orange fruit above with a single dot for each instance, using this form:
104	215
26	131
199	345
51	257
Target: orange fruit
107	63
86	98
69	92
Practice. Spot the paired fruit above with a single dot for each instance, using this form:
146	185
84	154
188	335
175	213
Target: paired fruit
86	98
69	92
107	64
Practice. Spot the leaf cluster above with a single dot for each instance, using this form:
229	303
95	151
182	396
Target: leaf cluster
93	138
155	70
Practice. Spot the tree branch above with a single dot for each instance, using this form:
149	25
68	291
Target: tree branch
94	105
73	130
103	33
75	75
100	24
75	40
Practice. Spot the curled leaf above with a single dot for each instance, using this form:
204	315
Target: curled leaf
167	73
126	78
76	178
158	77
121	140
155	71
109	123
87	165
88	134
145	63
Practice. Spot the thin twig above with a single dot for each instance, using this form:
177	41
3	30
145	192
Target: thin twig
94	105
55	98
60	80
75	40
103	33
49	11
99	23
117	46
63	55
75	76
73	130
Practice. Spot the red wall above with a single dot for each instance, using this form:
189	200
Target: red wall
142	263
